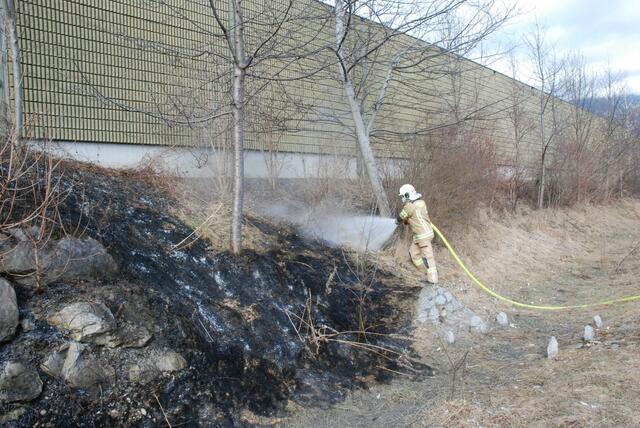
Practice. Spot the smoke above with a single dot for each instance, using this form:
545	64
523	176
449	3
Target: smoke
336	228
358	232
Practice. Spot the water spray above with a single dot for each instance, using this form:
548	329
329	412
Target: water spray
363	233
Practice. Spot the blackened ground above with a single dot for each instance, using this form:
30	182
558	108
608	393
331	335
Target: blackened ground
231	317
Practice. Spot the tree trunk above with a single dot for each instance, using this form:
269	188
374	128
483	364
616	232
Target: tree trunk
368	158
544	151
362	135
542	184
4	76
18	88
238	104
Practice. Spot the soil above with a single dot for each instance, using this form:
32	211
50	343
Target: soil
298	324
253	362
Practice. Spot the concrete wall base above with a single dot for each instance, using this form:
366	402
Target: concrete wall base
201	163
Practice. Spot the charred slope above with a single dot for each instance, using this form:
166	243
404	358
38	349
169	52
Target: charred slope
237	320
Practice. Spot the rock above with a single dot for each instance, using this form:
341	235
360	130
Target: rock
477	325
94	323
75	258
451	338
170	361
143	372
454	305
77	367
426	306
9	314
502	319
17	258
132	336
159	361
19	383
552	347
24	235
13	415
86	322
434	315
27	324
81	370
66	259
55	362
440	299
598	321
589	334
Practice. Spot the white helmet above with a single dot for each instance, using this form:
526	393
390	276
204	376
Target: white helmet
408	193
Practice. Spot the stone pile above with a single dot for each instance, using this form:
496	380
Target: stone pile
437	305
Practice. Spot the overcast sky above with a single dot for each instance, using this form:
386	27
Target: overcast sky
606	32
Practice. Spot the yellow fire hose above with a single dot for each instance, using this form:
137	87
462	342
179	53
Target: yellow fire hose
515	302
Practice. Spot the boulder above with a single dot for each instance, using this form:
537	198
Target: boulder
19	383
75	258
65	259
94	323
86	322
81	370
55	361
9	315
77	367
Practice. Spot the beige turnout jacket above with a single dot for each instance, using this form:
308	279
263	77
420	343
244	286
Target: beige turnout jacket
415	214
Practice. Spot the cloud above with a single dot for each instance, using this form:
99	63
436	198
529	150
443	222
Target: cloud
605	33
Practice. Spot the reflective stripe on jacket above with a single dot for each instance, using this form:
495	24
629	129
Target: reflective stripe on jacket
416	215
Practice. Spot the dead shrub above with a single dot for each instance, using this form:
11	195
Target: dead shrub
588	175
456	172
31	192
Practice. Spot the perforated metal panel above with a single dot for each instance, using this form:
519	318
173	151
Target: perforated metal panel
92	67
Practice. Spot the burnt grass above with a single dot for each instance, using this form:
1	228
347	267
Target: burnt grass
229	316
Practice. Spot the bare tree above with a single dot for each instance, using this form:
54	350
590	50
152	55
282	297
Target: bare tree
522	125
546	73
250	47
234	36
9	17
619	145
579	89
399	37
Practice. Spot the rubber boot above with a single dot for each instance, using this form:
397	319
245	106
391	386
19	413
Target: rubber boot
432	276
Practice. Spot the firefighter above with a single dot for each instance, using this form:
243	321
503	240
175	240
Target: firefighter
414	213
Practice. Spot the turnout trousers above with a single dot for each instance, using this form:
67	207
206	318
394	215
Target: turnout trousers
421	253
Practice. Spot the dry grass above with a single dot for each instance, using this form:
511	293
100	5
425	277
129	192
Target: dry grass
552	256
208	214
